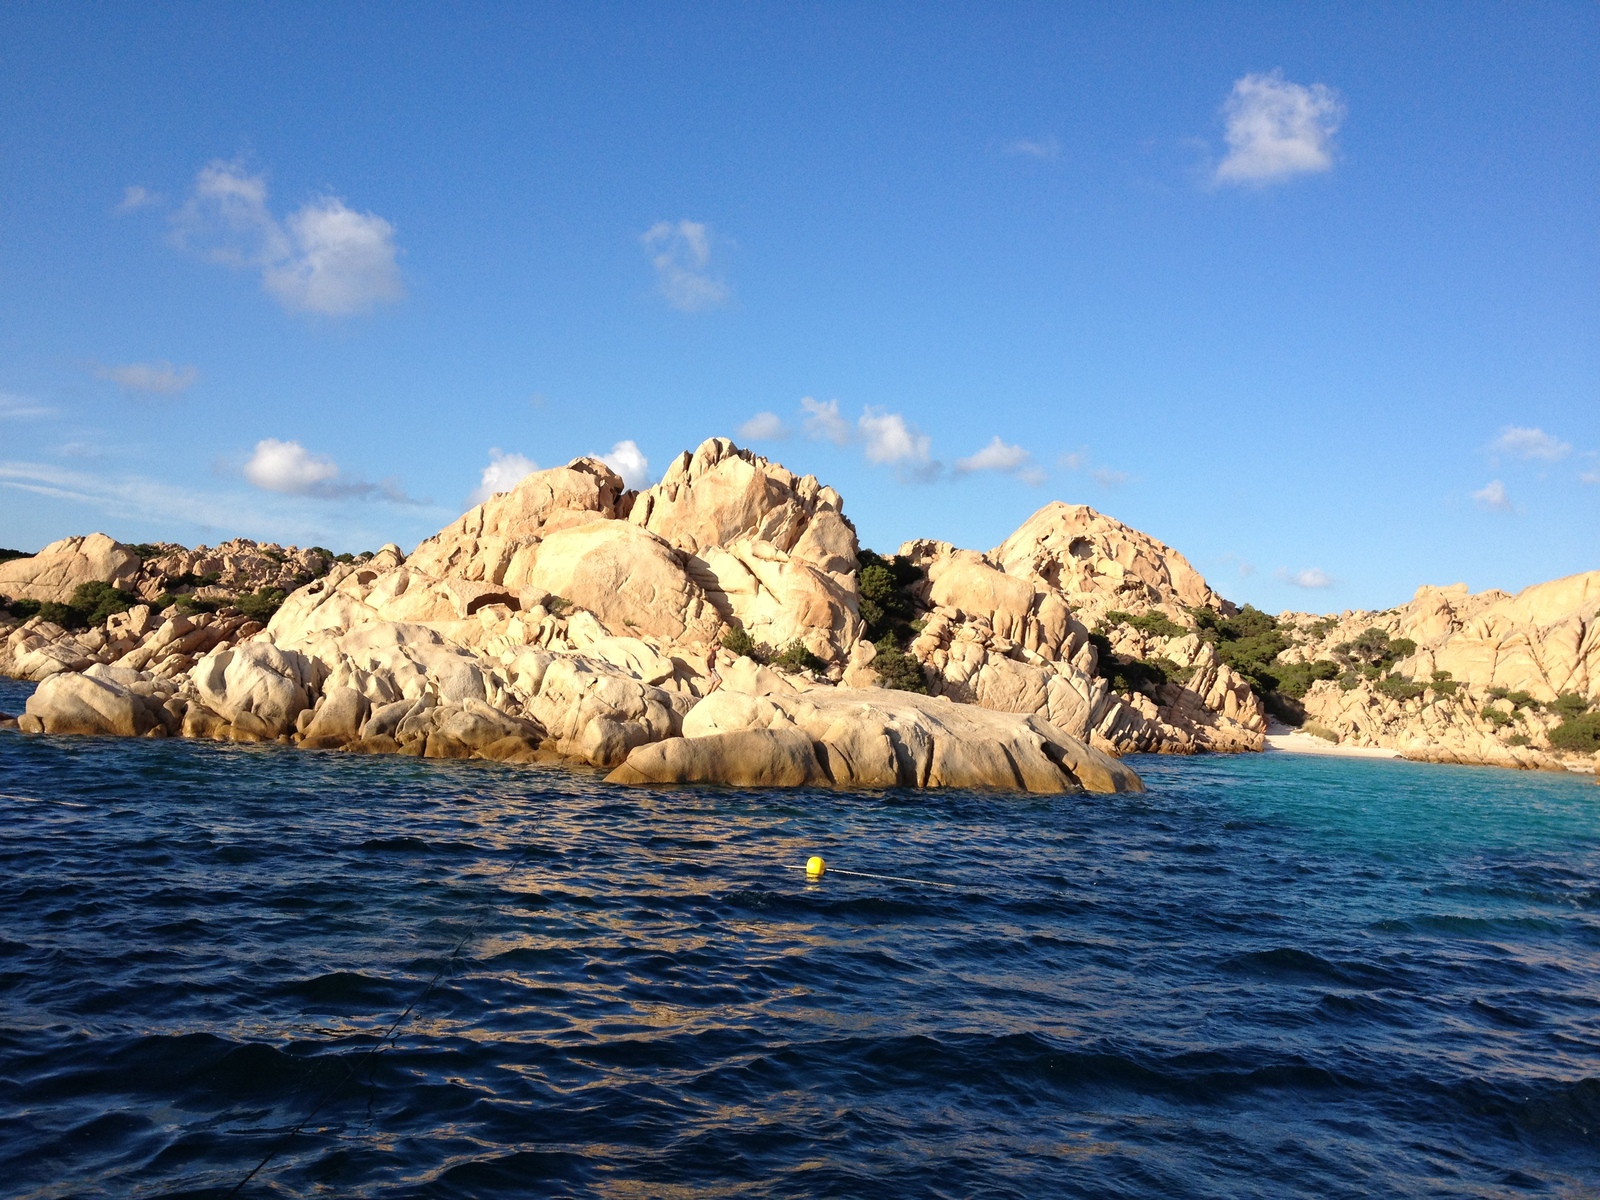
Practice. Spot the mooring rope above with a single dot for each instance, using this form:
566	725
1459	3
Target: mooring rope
352	1070
954	887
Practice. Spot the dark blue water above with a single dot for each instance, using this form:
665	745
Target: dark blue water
1270	976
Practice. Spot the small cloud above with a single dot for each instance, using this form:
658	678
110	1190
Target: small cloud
502	474
159	378
1313	578
323	258
1074	460
135	198
824	422
627	460
1004	458
22	408
1107	478
1589	477
1516	442
1492	496
764	427
681	254
1277	129
890	440
288	467
1044	147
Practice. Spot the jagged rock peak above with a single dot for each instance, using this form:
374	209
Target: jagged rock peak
721	494
1092	557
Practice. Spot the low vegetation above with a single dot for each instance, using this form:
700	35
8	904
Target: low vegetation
792	658
889	612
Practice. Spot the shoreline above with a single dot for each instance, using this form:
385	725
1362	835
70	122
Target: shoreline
1286	740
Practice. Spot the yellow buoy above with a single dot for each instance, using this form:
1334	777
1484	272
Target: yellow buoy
815	867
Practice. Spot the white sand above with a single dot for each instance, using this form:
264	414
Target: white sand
1294	741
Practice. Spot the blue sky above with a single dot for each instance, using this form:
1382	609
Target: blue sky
1310	292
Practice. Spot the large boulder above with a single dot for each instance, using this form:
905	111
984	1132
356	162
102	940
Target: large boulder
628	577
56	571
84	704
871	738
257	680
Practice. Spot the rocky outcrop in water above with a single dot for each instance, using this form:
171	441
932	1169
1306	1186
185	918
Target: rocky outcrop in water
643	633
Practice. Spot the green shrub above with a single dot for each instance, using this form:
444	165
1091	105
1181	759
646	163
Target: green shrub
1295	679
97	601
259	605
146	550
8	555
1569	705
1286	708
1398	687
21	609
1372	647
1495	717
1523	700
1321	731
1155	622
1499	693
795	657
556	605
884	585
1518	739
738	643
898	670
1321	627
1580	733
63	615
1443	684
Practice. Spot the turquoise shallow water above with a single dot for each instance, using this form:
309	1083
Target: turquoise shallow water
1269	976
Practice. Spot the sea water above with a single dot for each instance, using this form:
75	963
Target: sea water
1268	976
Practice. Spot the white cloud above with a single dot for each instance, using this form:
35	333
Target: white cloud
996	456
681	254
1005	458
1530	443
1107	478
627	460
1492	496
1589	477
502	474
135	198
324	257
764	427
1277	129
824	422
22	408
1312	578
288	519
288	467
1073	460
161	378
1044	147
890	440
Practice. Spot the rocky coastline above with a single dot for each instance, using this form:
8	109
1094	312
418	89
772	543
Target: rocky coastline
725	626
